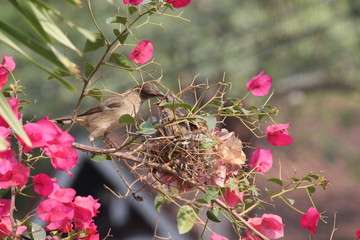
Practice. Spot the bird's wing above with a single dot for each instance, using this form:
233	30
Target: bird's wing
106	105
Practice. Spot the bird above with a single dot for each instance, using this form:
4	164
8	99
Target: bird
103	118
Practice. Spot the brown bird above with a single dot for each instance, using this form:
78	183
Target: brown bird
103	118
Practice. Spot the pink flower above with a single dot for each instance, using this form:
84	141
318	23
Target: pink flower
54	142
133	2
259	85
179	3
5	207
232	197
278	135
261	160
7	162
310	220
269	225
56	214
85	209
142	53
13	103
64	195
6	67
6	227
215	236
43	184
357	233
18	176
91	233
35	133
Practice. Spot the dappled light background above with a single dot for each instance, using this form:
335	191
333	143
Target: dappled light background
310	48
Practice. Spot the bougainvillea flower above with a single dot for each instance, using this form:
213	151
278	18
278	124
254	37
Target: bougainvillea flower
232	197
259	85
133	2
7	162
142	53
56	214
357	234
91	233
6	227
64	195
310	220
261	160
6	67
4	207
55	142
269	225
278	135
13	103
18	176
215	236
85	209
63	158
179	3
35	134
43	184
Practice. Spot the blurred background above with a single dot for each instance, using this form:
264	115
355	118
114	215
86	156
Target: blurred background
310	48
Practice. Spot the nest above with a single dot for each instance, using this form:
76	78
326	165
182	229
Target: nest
187	155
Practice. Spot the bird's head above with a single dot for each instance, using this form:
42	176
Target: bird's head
148	90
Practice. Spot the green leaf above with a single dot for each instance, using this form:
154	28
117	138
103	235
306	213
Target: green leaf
316	177
276	181
211	215
175	105
88	69
26	10
95	93
29	42
146	128
75	2
98	157
158	201
207	143
127	119
211	122
186	218
8	115
295	179
52	29
33	46
132	9
37	231
94	45
120	60
117	19
311	190
72	67
201	200
211	194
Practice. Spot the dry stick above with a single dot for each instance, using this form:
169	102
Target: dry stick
129	157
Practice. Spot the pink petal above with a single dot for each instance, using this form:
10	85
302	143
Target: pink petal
142	53
261	160
277	135
259	85
310	220
179	3
133	2
215	236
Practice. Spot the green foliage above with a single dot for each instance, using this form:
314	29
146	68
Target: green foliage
186	218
